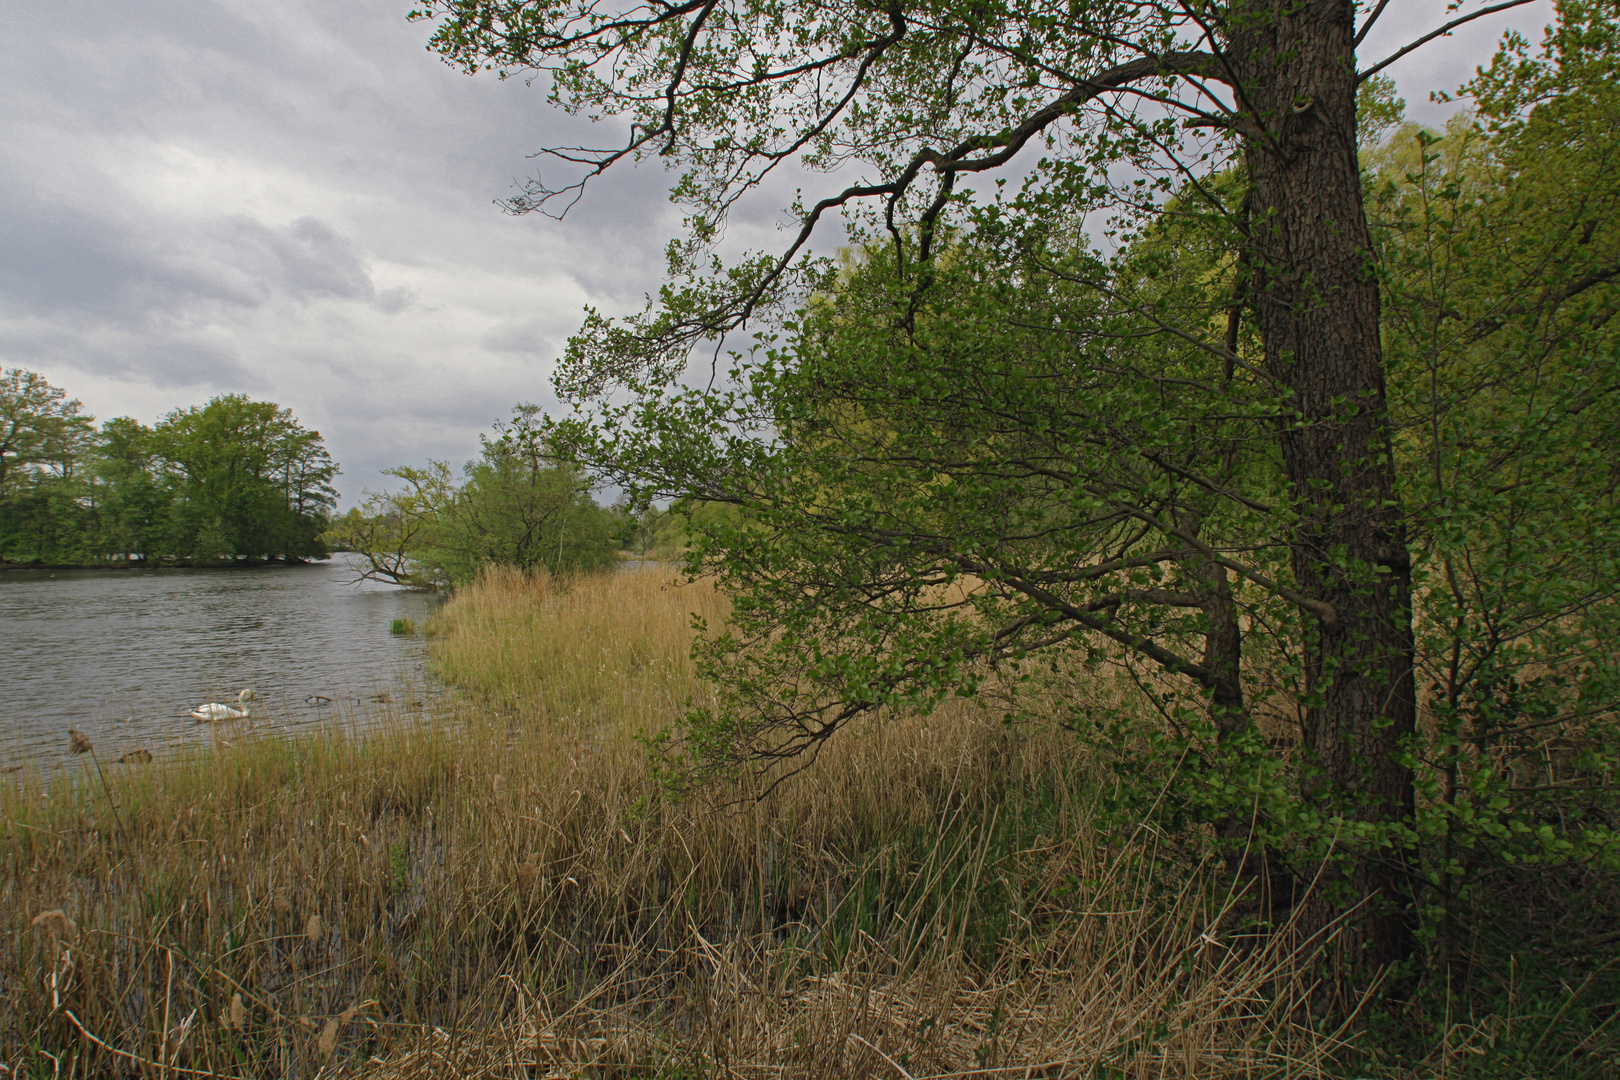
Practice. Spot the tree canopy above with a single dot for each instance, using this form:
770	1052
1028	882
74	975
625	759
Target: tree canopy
516	505
230	480
1164	401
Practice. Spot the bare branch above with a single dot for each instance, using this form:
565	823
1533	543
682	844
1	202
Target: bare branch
1087	616
1431	35
1322	610
992	152
959	159
1368	25
1209	485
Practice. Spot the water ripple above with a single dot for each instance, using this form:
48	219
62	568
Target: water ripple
122	655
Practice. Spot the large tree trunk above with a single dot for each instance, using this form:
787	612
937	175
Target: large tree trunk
1317	308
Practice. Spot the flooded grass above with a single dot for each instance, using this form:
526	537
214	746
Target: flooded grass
502	889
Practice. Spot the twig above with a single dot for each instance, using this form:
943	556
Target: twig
136	1057
897	1066
107	790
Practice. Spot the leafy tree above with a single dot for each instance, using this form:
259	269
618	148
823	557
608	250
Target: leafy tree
41	429
131	501
1500	247
520	507
45	520
247	481
43	438
946	503
386	530
516	505
669	535
303	471
232	479
1111	105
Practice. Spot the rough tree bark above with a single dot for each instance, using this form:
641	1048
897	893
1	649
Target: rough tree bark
1317	307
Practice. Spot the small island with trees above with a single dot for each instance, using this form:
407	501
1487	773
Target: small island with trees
230	482
238	482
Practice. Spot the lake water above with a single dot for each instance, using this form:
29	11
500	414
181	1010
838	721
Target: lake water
123	655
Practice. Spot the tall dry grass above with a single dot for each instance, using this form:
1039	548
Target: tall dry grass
604	650
504	890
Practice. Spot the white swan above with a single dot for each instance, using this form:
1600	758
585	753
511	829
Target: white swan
215	711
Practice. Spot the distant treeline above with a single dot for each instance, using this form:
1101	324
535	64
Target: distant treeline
228	481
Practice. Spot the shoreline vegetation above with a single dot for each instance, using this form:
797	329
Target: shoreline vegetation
166	564
507	889
1218	617
517	504
1297	413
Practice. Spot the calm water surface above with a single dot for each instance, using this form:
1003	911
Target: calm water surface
122	655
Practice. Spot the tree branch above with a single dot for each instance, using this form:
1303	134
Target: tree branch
1087	617
1485	327
992	152
1368	25
1426	38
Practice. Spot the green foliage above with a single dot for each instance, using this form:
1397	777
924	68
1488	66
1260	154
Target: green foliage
249	481
973	450
516	505
1031	468
41	429
233	479
670	535
134	499
1131	421
44	437
1499	241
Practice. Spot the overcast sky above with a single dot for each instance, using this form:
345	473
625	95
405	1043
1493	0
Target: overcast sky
295	201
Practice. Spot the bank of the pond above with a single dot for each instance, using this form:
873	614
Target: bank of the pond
501	888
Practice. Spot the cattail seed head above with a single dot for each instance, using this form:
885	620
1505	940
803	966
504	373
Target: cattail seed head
55	922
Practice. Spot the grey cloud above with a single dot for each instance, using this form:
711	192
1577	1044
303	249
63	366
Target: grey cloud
525	336
55	260
306	260
79	261
183	363
394	301
172	360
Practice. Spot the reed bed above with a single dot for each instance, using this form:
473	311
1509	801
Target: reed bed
609	650
504	889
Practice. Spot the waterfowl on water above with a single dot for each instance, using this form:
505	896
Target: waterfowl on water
214	711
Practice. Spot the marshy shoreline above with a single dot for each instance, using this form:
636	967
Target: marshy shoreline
504	888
